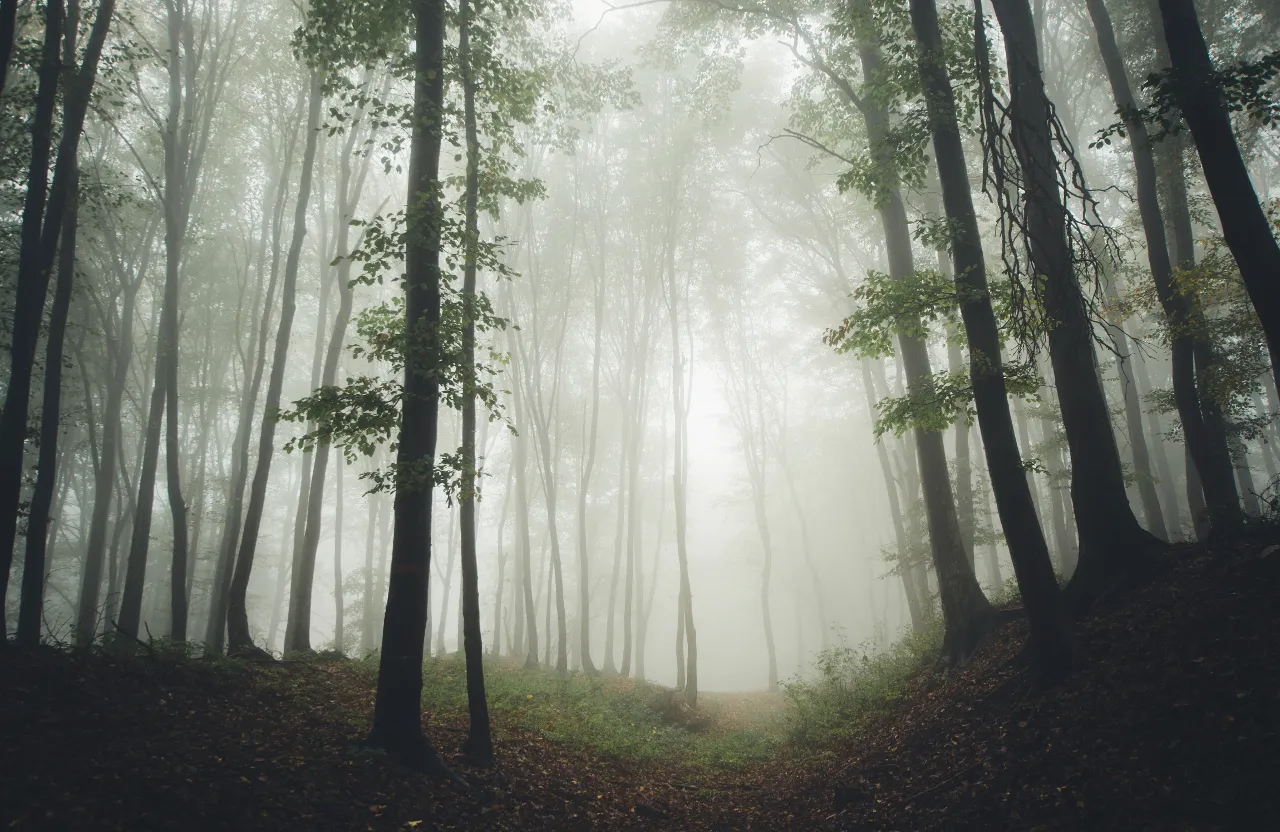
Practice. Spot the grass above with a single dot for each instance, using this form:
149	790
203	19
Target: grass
853	688
626	718
622	718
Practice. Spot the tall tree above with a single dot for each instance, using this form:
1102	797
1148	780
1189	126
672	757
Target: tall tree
1207	447
239	637
1198	92
38	235
77	88
1027	547
1111	541
397	715
479	743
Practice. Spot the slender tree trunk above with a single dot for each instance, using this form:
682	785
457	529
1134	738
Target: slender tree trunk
1244	224
1027	547
967	613
216	632
34	568
238	635
584	486
1168	493
680	468
496	648
32	288
1110	538
479	743
397	720
1209	449
283	569
610	668
916	606
370	545
520	460
442	619
339	636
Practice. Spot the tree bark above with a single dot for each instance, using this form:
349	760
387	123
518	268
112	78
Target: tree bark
397	718
1244	224
1111	540
34	271
1208	449
1027	547
967	614
479	743
238	635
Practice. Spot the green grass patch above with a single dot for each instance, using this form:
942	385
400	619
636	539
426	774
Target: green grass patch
622	718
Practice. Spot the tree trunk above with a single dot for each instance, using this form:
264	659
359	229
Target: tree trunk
1244	224
216	631
238	635
1209	449
680	466
1111	540
916	605
479	743
584	485
967	613
1027	547
397	718
34	568
366	617
610	668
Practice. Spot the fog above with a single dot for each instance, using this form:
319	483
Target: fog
674	212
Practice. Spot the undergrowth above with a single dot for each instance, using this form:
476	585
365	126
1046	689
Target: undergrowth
855	686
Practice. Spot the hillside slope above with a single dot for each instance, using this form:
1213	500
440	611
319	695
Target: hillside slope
1169	722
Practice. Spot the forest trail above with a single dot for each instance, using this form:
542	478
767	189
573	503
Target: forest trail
1171	721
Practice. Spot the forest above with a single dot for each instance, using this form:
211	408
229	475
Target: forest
611	414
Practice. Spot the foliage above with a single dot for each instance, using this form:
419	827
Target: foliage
1246	87
1229	325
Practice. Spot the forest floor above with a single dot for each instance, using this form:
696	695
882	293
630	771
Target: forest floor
1170	721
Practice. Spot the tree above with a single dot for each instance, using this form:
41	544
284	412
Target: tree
238	636
1207	447
39	237
1050	245
1196	87
479	743
77	88
397	715
1027	547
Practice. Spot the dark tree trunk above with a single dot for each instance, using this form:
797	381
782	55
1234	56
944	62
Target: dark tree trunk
1027	547
1244	224
479	743
33	568
34	271
1111	541
968	615
1211	456
238	635
397	716
8	32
